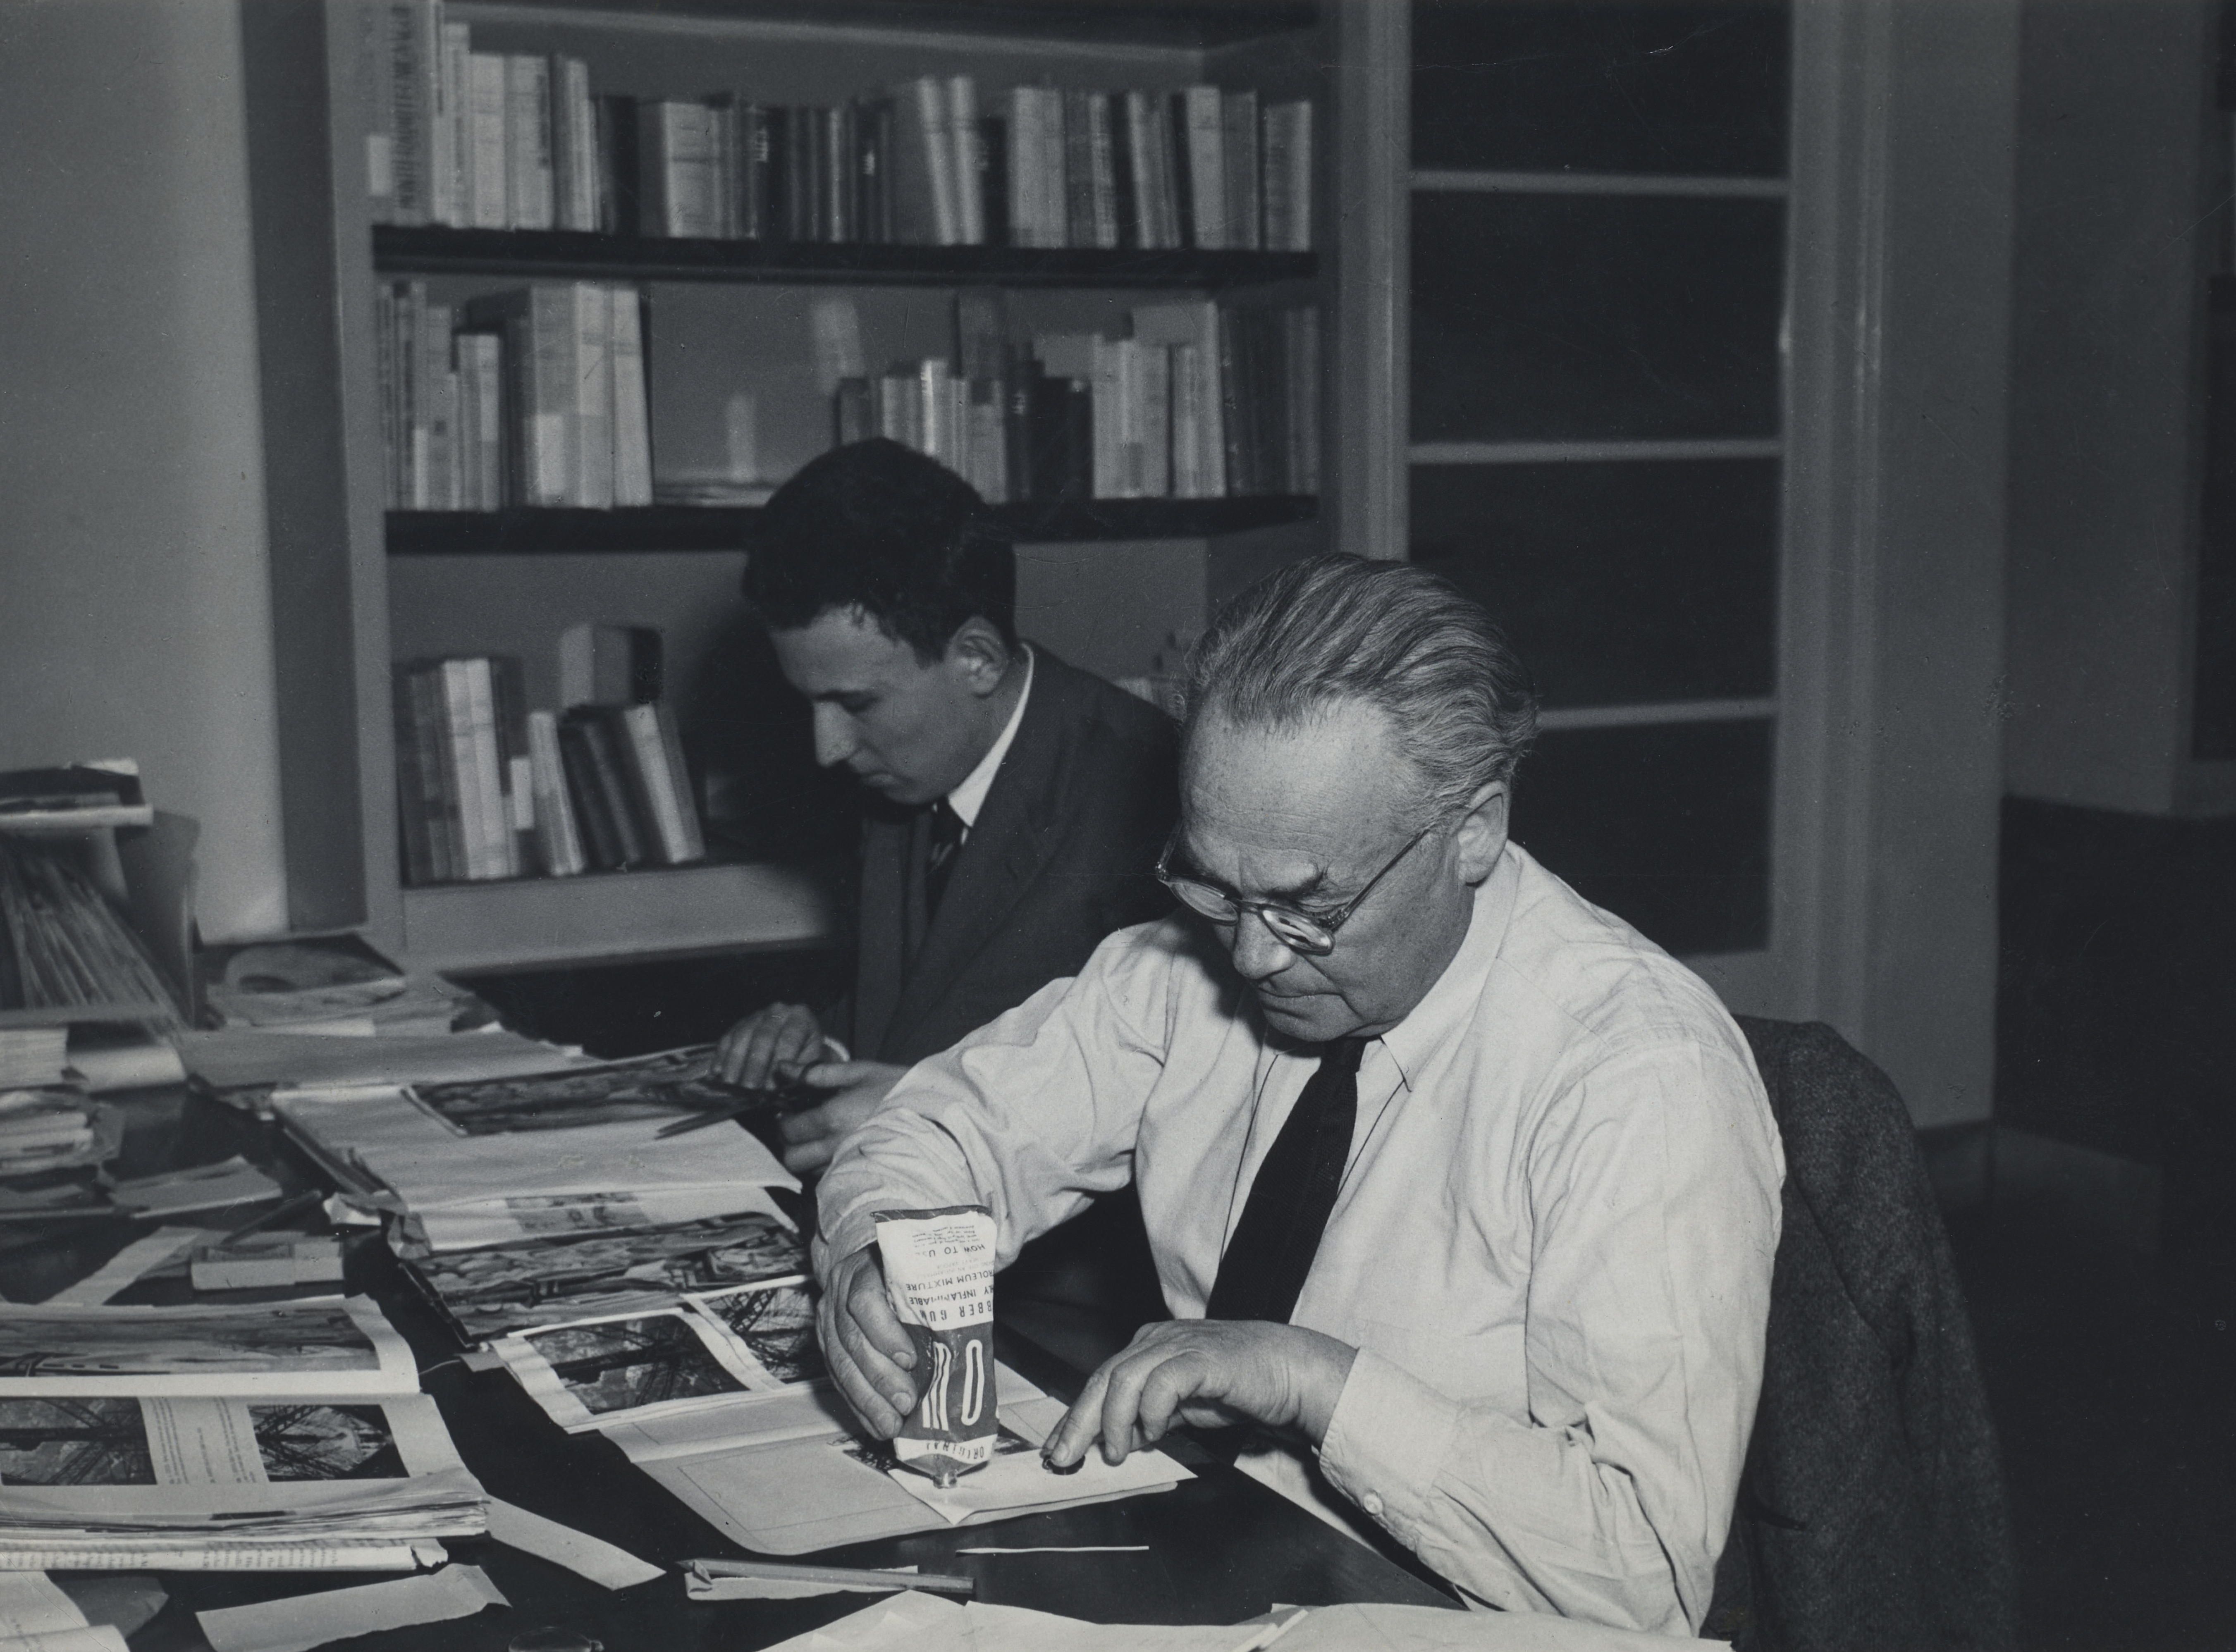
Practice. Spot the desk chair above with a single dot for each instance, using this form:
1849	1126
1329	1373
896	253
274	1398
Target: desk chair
1871	1513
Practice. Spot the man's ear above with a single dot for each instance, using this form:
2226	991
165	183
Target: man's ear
1482	832
977	653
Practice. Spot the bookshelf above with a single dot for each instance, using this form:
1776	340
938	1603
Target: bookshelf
367	586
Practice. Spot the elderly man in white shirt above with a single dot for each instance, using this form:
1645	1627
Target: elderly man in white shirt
1460	1190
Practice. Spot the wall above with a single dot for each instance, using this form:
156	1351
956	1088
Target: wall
2105	303
134	602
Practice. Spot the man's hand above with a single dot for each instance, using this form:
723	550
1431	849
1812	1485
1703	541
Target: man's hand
771	1044
865	1347
812	1137
1211	1372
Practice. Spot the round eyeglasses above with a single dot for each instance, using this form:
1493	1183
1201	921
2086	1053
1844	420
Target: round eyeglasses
1313	937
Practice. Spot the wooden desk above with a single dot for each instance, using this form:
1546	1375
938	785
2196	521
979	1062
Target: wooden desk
1221	1548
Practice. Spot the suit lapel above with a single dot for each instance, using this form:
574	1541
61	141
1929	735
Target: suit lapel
1014	837
881	936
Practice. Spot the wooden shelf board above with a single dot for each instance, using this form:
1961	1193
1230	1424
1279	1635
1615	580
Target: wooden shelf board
542	923
1174	24
668	528
573	255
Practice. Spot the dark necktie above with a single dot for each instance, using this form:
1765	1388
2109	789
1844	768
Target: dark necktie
939	858
1263	1272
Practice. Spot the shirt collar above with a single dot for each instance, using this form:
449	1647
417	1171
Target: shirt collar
968	799
1446	1005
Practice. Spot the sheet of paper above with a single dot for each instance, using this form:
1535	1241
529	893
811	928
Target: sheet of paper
102	1639
782	1588
307	1621
126	1268
1063	1549
579	1552
921	1622
208	1187
1430	1628
1015	1481
332	1346
238	1058
30	1604
262	1261
279	1556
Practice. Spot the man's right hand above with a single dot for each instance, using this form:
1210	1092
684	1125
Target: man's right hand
770	1046
865	1344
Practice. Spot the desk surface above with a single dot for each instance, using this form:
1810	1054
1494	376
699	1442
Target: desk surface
1221	1548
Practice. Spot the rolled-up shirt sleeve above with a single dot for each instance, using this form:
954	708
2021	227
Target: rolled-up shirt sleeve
1653	1189
1031	1116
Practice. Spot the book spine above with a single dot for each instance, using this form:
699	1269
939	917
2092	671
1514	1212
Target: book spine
1188	424
654	195
961	116
631	416
620	182
1024	220
592	416
930	106
570	187
449	131
1142	150
491	769
487	113
528	141
1300	178
438	771
414	37
1103	174
639	725
691	840
391	381
377	70
1179	180
478	828
838	131
1108	418
753	182
412	362
1078	173
610	756
559	834
508	723
1245	199
1204	120
489	350
602	844
725	160
418	812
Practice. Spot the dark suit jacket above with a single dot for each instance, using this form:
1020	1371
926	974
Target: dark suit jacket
1063	853
1871	1512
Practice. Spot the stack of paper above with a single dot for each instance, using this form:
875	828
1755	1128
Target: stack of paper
53	1129
32	1056
285	1435
502	1176
523	1287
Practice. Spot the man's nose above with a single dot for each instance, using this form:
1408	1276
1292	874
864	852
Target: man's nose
1258	955
835	740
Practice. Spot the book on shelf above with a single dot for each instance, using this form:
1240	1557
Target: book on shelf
536	395
513	140
1199	401
486	789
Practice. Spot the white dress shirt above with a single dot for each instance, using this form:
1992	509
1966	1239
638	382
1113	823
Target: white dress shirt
1552	1244
968	799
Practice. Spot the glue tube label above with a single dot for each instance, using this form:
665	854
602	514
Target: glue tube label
939	1277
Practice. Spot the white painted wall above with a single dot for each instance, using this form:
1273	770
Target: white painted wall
134	607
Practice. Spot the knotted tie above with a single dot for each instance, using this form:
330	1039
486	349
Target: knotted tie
939	859
1263	1272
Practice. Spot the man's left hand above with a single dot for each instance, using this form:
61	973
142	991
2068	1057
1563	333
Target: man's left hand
1210	1373
812	1136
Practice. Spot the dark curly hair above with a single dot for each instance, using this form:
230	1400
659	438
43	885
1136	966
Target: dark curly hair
879	527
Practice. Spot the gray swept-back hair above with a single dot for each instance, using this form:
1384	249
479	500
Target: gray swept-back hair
1333	628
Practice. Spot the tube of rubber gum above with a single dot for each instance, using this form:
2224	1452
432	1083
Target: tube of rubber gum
939	1277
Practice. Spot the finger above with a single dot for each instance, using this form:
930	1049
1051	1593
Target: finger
873	1317
810	1124
758	1054
876	1411
891	1386
798	1041
1067	1447
838	1075
730	1054
809	1157
1121	1400
1167	1389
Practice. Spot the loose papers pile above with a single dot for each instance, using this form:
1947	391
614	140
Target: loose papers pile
466	1179
282	1436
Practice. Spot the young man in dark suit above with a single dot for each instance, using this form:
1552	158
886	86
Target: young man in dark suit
1017	805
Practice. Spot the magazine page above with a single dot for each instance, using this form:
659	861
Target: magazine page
338	1348
527	1285
73	1467
662	1088
525	1218
773	1325
597	1371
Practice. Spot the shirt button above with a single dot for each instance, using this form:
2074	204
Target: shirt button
1373	1503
